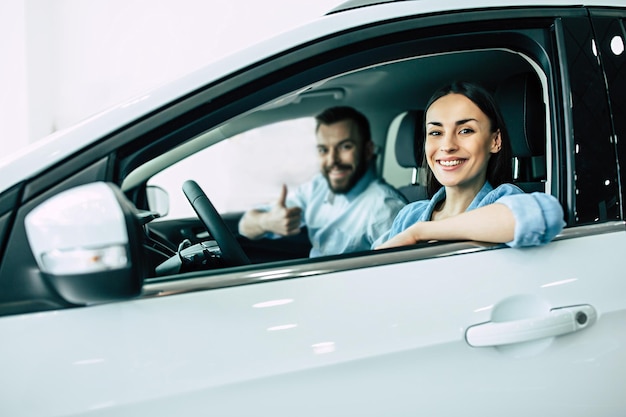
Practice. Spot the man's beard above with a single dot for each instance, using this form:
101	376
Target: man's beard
356	175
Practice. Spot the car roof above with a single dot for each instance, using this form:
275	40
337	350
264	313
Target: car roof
461	4
353	4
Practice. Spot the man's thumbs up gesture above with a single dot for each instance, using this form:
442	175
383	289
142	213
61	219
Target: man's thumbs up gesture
279	219
282	220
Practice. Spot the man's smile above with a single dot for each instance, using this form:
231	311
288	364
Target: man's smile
338	171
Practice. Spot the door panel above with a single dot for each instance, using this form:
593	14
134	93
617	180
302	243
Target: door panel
384	340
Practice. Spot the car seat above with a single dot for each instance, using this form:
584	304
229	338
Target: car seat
409	152
520	100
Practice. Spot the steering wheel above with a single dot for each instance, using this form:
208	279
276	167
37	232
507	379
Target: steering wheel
232	253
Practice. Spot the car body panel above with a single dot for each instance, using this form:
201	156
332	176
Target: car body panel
380	339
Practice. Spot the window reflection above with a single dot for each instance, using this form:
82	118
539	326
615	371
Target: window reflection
617	45
594	49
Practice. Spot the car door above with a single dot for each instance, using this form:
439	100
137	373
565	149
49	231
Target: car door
444	328
387	339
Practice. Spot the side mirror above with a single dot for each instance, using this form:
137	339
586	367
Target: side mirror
87	244
158	200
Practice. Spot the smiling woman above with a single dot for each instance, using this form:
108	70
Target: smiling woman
468	152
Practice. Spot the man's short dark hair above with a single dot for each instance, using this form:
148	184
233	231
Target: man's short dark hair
340	113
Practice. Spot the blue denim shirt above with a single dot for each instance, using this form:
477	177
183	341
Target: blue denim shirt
538	216
350	222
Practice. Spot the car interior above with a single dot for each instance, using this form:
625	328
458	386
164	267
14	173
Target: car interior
392	95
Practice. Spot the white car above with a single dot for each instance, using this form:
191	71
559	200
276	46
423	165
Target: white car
106	310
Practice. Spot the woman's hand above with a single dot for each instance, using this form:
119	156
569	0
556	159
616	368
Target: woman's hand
494	223
405	238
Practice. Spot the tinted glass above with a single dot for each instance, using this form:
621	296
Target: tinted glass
611	44
595	170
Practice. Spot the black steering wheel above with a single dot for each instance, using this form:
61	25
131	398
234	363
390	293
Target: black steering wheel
232	254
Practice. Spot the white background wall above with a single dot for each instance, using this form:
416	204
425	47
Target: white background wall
64	60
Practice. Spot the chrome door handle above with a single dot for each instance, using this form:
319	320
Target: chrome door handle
560	321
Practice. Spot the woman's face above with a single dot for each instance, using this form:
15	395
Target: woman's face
459	142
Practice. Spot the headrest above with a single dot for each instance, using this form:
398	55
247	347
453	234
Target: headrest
521	102
410	139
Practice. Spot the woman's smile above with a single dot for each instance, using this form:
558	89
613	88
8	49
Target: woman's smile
451	163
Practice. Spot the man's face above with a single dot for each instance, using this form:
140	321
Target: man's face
342	154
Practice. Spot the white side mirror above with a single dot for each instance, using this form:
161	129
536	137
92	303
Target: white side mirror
86	242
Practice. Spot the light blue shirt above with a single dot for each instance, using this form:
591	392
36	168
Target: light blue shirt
538	216
350	222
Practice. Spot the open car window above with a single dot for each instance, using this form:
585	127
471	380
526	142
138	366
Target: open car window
243	162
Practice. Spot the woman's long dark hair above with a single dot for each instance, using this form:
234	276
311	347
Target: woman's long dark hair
499	168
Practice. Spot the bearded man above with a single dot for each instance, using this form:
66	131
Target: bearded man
346	207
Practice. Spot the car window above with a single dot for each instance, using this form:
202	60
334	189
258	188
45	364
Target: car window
245	170
610	45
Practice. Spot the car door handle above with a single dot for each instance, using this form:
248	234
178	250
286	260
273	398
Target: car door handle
558	322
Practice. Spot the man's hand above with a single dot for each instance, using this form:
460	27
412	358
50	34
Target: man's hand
280	219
